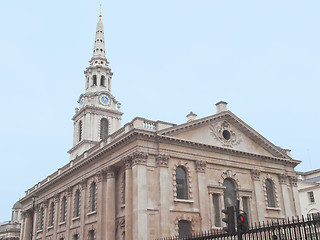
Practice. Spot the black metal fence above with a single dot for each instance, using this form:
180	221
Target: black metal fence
287	229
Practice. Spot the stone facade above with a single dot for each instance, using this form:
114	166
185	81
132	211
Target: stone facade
146	179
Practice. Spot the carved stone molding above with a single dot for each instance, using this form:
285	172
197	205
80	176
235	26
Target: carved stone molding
282	178
110	171
229	174
139	158
255	174
162	160
27	214
293	181
224	133
201	166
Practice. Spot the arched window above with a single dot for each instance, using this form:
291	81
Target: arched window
270	193
184	228
230	195
80	130
181	183
94	80
40	218
102	81
104	128
93	197
77	203
51	214
91	235
63	209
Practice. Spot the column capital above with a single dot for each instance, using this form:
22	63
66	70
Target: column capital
110	172
139	158
83	184
127	162
56	198
293	181
282	178
27	213
162	160
101	176
201	166
255	174
45	203
69	192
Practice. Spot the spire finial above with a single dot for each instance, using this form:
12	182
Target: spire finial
100	15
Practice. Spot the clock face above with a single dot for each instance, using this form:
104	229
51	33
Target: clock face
82	102
104	100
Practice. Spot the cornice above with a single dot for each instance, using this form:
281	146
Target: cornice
97	152
88	108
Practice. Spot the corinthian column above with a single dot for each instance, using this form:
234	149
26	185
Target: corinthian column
27	225
259	195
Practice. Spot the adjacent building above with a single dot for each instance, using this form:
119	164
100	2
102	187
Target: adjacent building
309	191
10	230
150	179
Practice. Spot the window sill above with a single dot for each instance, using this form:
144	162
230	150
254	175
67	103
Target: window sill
122	206
62	223
50	227
312	203
91	213
183	200
75	218
39	231
274	208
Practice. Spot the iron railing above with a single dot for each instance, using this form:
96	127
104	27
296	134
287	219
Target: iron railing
295	228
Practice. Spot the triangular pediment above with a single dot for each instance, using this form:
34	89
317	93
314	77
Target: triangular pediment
225	130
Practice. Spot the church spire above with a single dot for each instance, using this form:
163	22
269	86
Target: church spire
99	50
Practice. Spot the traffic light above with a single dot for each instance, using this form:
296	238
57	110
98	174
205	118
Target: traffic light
229	220
242	223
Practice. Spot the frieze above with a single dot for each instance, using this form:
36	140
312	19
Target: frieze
201	166
255	174
162	160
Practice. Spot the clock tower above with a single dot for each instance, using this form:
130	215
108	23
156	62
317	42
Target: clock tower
98	114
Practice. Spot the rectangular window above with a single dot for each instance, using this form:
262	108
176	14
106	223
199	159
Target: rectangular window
311	197
245	206
216	210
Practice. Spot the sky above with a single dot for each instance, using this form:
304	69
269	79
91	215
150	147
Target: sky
168	58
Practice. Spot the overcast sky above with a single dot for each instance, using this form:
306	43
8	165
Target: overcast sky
168	58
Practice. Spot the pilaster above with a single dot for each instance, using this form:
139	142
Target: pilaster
110	213
285	195
139	195
128	198
56	200
203	197
68	215
45	218
100	205
27	225
296	200
162	163
83	204
259	195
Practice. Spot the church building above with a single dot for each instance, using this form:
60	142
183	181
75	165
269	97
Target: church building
151	179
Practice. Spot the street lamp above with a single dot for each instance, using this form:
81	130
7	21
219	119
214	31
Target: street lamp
32	215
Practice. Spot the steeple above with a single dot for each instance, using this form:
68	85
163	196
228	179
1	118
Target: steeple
99	113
